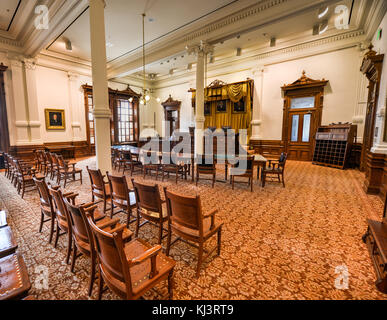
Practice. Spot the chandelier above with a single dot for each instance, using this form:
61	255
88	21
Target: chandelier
145	92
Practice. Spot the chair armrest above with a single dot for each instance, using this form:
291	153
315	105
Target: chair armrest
149	254
110	223
86	205
71	196
120	228
211	215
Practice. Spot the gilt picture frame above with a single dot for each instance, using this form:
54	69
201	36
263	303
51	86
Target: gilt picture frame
239	107
221	106
55	119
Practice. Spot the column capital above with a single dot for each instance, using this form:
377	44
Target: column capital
257	71
30	64
101	1
72	76
200	49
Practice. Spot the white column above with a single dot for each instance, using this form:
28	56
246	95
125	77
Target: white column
201	52
256	123
100	85
74	105
19	96
32	102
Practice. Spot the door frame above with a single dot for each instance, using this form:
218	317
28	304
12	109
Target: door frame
303	87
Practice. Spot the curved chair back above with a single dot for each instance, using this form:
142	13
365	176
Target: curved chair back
79	224
184	212
148	197
44	194
119	190
60	207
97	182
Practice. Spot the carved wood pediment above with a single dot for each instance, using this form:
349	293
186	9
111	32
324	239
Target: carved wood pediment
305	81
170	103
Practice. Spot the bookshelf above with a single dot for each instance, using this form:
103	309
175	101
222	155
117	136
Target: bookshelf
333	145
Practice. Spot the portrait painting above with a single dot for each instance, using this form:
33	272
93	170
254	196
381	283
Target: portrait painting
239	107
207	109
221	106
55	119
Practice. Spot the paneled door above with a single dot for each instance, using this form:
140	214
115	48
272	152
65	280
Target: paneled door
301	135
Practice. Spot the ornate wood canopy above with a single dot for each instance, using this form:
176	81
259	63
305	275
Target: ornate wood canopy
171	104
127	92
304	82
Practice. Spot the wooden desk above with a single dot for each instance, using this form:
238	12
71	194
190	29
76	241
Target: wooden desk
14	279
8	244
67	151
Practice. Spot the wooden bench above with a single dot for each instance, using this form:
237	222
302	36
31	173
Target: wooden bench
14	280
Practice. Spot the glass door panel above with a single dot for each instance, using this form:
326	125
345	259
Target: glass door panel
295	124
306	128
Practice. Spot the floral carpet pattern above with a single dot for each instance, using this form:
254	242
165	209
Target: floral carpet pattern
277	243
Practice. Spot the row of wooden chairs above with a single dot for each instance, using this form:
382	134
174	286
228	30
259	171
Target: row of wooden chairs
20	173
55	165
183	214
162	164
14	279
123	262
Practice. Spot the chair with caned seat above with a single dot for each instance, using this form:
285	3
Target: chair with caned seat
100	188
122	197
129	269
83	240
150	207
187	221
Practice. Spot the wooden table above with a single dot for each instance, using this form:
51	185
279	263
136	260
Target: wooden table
67	151
8	244
14	279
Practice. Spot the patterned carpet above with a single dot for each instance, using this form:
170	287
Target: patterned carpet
276	244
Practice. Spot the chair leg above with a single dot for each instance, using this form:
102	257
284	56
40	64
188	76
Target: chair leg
219	239
251	183
213	180
74	257
283	180
69	246
232	179
92	274
200	257
51	229
169	240
137	224
112	208
104	205
170	285
100	284
41	222
161	232
56	235
23	189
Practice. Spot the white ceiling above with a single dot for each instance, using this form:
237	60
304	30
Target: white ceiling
123	22
7	11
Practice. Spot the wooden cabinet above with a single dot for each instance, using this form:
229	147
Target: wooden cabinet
333	145
171	116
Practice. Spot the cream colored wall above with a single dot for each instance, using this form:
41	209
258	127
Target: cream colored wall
341	68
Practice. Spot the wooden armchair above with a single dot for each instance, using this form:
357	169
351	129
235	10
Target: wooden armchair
187	221
46	206
206	165
25	175
49	164
154	164
83	240
132	164
99	188
122	197
62	217
150	207
168	166
67	170
55	166
237	171
130	269
275	169
118	160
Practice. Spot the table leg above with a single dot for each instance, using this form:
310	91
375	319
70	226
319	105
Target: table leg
193	169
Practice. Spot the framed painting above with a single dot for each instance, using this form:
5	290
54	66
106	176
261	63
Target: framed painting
207	109
55	119
221	106
239	107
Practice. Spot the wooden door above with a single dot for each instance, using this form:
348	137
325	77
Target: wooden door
302	131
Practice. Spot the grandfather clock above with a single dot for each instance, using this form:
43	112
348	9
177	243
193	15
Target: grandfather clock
171	115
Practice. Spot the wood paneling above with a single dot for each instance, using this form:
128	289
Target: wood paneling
26	152
269	148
